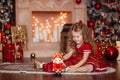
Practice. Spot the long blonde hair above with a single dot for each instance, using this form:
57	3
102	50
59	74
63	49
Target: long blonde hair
87	37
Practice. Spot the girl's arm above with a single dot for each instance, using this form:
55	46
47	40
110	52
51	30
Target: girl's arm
80	63
68	55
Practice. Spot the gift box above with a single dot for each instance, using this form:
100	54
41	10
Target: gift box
8	52
19	51
13	51
19	33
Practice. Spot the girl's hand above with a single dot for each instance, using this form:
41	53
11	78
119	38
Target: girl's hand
72	68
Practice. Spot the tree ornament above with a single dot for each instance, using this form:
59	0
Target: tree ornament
91	24
118	9
78	1
8	25
105	21
111	53
2	37
97	5
33	56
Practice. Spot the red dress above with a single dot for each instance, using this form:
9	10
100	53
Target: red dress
97	63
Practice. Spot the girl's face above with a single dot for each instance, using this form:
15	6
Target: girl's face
77	37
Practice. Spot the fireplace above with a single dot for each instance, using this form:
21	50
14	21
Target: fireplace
47	26
28	11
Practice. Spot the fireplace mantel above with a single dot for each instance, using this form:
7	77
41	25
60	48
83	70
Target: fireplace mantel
24	10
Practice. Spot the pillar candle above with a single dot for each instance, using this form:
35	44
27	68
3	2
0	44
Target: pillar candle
60	30
36	34
55	35
45	35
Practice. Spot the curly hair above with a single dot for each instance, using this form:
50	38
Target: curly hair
87	37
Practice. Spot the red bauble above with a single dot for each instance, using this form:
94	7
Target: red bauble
78	1
108	31
97	5
8	25
105	21
118	9
111	53
91	24
2	38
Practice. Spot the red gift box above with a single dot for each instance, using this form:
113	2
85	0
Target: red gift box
13	51
8	52
19	50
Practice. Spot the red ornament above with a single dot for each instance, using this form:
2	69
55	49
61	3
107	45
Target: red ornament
78	1
97	5
91	24
105	21
118	9
2	37
8	25
111	53
108	31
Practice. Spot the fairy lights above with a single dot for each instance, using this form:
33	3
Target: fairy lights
47	28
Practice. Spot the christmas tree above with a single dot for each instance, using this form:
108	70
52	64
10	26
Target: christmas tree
104	19
7	19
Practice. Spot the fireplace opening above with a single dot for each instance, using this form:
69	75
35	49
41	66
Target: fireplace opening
47	26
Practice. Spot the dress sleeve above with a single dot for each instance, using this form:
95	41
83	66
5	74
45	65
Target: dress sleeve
87	48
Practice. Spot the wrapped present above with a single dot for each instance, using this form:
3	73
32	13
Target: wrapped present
8	52
19	50
1	56
19	33
13	51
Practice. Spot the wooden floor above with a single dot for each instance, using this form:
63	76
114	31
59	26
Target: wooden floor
23	76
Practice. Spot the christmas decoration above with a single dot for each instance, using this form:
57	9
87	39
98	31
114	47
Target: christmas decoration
32	55
2	37
104	16
111	53
78	1
9	52
57	64
104	19
7	18
97	5
13	52
118	9
19	34
18	51
91	24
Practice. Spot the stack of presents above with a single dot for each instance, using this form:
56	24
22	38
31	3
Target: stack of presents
11	48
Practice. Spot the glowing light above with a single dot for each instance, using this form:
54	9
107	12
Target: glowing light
49	29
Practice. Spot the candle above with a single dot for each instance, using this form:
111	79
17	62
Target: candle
36	34
55	34
60	30
45	35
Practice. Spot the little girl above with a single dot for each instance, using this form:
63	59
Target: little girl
80	56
